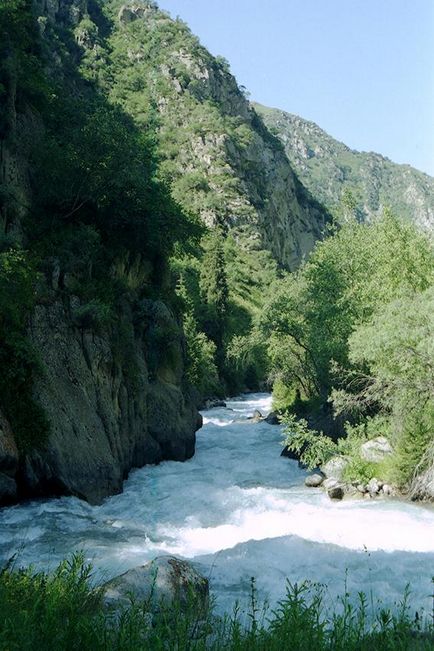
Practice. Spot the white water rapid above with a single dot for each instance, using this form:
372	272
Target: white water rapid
238	510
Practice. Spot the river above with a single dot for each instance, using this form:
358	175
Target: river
239	510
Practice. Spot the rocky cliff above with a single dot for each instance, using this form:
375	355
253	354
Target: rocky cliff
106	105
327	166
83	400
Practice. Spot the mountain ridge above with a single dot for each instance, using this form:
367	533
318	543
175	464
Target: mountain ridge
327	166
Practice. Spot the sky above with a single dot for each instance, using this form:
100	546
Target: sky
363	70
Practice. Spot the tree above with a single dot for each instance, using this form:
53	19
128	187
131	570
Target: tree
214	289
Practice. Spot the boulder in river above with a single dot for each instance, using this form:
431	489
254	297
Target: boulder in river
257	417
335	467
374	486
336	492
376	449
315	480
272	418
211	403
164	582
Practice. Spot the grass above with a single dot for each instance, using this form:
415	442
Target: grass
64	611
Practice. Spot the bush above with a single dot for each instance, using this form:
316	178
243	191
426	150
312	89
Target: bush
91	315
63	611
313	448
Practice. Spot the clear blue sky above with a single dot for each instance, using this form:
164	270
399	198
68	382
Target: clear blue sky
361	69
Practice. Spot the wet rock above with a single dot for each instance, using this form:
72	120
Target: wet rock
376	449
329	482
361	488
8	463
164	582
335	467
8	489
314	480
422	487
212	403
257	416
102	423
272	418
336	492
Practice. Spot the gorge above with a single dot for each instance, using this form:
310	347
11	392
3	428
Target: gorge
166	243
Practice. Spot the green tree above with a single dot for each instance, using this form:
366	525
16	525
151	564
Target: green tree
214	290
349	276
396	351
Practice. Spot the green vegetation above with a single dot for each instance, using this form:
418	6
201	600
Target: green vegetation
333	172
353	329
63	611
92	211
143	181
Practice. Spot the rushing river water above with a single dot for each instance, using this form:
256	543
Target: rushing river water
239	510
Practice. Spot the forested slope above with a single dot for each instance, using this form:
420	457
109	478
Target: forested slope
331	171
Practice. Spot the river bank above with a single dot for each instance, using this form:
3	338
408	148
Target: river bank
236	509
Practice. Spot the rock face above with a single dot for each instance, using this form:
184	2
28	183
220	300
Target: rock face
422	487
165	581
106	418
237	173
8	463
327	167
111	404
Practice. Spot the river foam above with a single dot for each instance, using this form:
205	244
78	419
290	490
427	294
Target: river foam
239	510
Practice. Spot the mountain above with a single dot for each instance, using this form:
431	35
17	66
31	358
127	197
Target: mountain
217	156
134	176
327	167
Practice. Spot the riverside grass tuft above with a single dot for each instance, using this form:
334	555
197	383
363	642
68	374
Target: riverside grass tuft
63	610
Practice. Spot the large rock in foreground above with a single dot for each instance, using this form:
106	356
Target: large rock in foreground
164	582
335	467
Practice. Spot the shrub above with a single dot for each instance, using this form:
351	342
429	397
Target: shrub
63	611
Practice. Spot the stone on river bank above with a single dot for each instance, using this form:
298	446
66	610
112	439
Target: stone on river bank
315	480
376	449
163	582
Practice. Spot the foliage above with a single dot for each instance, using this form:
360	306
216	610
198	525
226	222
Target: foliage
346	181
397	347
92	315
62	610
353	327
214	289
313	312
201	369
18	363
313	448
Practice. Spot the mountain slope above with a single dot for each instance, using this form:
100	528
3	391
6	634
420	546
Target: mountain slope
218	158
327	166
120	134
92	353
